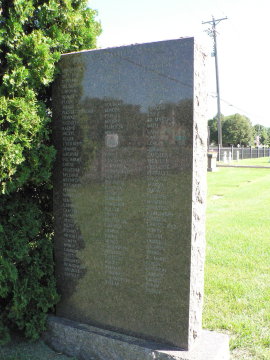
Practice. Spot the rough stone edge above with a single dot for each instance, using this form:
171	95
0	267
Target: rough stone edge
90	343
199	188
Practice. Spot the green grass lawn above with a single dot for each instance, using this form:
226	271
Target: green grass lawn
262	161
237	273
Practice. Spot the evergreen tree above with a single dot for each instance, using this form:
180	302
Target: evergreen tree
33	34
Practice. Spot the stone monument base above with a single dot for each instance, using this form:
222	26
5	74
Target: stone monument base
92	343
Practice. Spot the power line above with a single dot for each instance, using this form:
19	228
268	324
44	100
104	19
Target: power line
234	106
213	33
229	103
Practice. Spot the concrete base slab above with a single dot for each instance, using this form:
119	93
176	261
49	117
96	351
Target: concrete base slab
91	343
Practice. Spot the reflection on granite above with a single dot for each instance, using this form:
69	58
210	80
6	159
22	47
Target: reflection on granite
125	188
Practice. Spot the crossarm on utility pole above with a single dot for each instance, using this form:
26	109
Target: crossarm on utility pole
213	33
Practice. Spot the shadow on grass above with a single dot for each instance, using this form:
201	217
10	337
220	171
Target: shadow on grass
20	349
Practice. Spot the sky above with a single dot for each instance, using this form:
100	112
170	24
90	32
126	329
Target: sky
243	44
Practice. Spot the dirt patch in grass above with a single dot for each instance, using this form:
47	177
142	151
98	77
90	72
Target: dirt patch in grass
215	197
240	354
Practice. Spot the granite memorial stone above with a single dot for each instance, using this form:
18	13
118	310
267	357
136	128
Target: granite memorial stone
129	190
212	161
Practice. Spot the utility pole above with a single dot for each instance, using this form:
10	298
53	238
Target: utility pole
213	33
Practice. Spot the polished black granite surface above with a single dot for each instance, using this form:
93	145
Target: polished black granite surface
124	191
